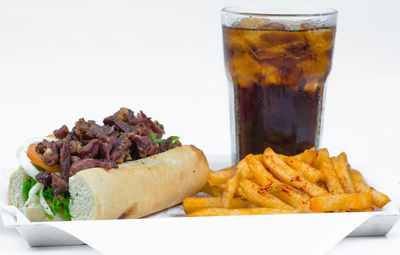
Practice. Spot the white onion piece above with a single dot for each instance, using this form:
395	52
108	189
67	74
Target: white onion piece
22	155
44	204
32	192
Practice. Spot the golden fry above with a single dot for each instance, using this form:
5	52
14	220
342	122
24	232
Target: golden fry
274	188
323	185
323	163
259	157
243	211
308	156
322	156
243	168
260	197
192	204
220	177
230	190
312	174
332	203
286	174
264	178
212	191
261	175
378	198
293	197
341	166
331	178
221	187
271	183
371	209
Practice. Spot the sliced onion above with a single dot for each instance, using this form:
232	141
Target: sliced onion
30	169
44	204
22	155
38	186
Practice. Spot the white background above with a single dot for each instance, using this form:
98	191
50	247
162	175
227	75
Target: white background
62	60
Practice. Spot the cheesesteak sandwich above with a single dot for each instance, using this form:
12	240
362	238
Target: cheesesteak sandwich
122	169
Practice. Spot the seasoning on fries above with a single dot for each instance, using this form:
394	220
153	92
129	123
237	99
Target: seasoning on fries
269	183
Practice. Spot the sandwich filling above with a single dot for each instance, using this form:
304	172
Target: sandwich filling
51	161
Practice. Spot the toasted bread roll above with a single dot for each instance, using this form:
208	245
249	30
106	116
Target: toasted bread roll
135	189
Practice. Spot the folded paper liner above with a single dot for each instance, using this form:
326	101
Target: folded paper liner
169	231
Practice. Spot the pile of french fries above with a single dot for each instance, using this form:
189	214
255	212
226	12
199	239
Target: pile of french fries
271	183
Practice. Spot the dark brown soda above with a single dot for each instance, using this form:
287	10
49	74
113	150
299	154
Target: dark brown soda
278	81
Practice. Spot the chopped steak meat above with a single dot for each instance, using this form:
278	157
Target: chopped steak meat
90	150
123	137
54	181
42	146
50	155
145	146
154	127
122	126
44	178
120	152
61	132
59	185
74	146
65	159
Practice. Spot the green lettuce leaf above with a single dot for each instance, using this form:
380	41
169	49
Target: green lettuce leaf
174	139
155	139
27	186
159	140
57	206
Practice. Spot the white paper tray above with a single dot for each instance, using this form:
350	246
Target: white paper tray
44	234
376	223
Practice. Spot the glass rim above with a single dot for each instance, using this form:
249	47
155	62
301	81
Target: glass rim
279	11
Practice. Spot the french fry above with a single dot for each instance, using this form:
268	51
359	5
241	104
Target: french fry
371	209
323	163
259	157
288	175
243	211
221	187
220	177
336	202
322	156
312	174
261	175
232	185
341	166
293	197
244	169
283	157
230	190
378	198
242	195
308	156
212	191
323	185
271	183
331	178
260	197
264	178
274	188
192	204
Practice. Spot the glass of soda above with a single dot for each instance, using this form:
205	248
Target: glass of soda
277	61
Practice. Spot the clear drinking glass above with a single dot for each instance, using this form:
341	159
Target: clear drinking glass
277	61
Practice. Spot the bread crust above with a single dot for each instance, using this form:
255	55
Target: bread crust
138	188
